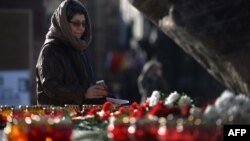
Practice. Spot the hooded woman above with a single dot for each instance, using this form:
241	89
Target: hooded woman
151	79
64	74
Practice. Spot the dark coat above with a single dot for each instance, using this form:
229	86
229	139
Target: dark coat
63	75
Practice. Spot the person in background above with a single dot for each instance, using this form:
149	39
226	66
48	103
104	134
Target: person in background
64	73
151	79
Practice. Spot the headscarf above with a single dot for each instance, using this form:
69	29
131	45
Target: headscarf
60	28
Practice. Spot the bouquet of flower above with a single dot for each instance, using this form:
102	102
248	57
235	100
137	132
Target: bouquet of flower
229	108
162	117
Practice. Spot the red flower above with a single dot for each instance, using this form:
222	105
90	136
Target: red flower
107	106
204	105
121	111
133	106
107	109
160	110
185	110
92	112
104	115
145	104
138	113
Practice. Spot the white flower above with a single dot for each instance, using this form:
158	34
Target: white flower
246	107
100	113
241	108
223	102
195	111
211	113
227	93
155	97
173	97
234	111
230	105
168	103
241	99
245	113
184	101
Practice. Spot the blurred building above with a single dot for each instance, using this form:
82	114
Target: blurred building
123	40
22	28
181	71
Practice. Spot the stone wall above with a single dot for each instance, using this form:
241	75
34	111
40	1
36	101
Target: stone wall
214	32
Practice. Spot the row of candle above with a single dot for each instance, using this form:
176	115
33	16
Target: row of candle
38	122
162	129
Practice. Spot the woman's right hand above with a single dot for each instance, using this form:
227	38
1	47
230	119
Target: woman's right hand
96	91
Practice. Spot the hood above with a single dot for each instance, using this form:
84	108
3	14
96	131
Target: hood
60	28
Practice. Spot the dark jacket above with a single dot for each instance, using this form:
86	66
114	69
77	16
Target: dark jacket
63	74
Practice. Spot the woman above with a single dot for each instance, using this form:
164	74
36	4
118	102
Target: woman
151	79
64	74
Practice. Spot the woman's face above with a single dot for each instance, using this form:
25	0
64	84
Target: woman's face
77	25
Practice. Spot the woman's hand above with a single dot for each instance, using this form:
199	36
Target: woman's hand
96	91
